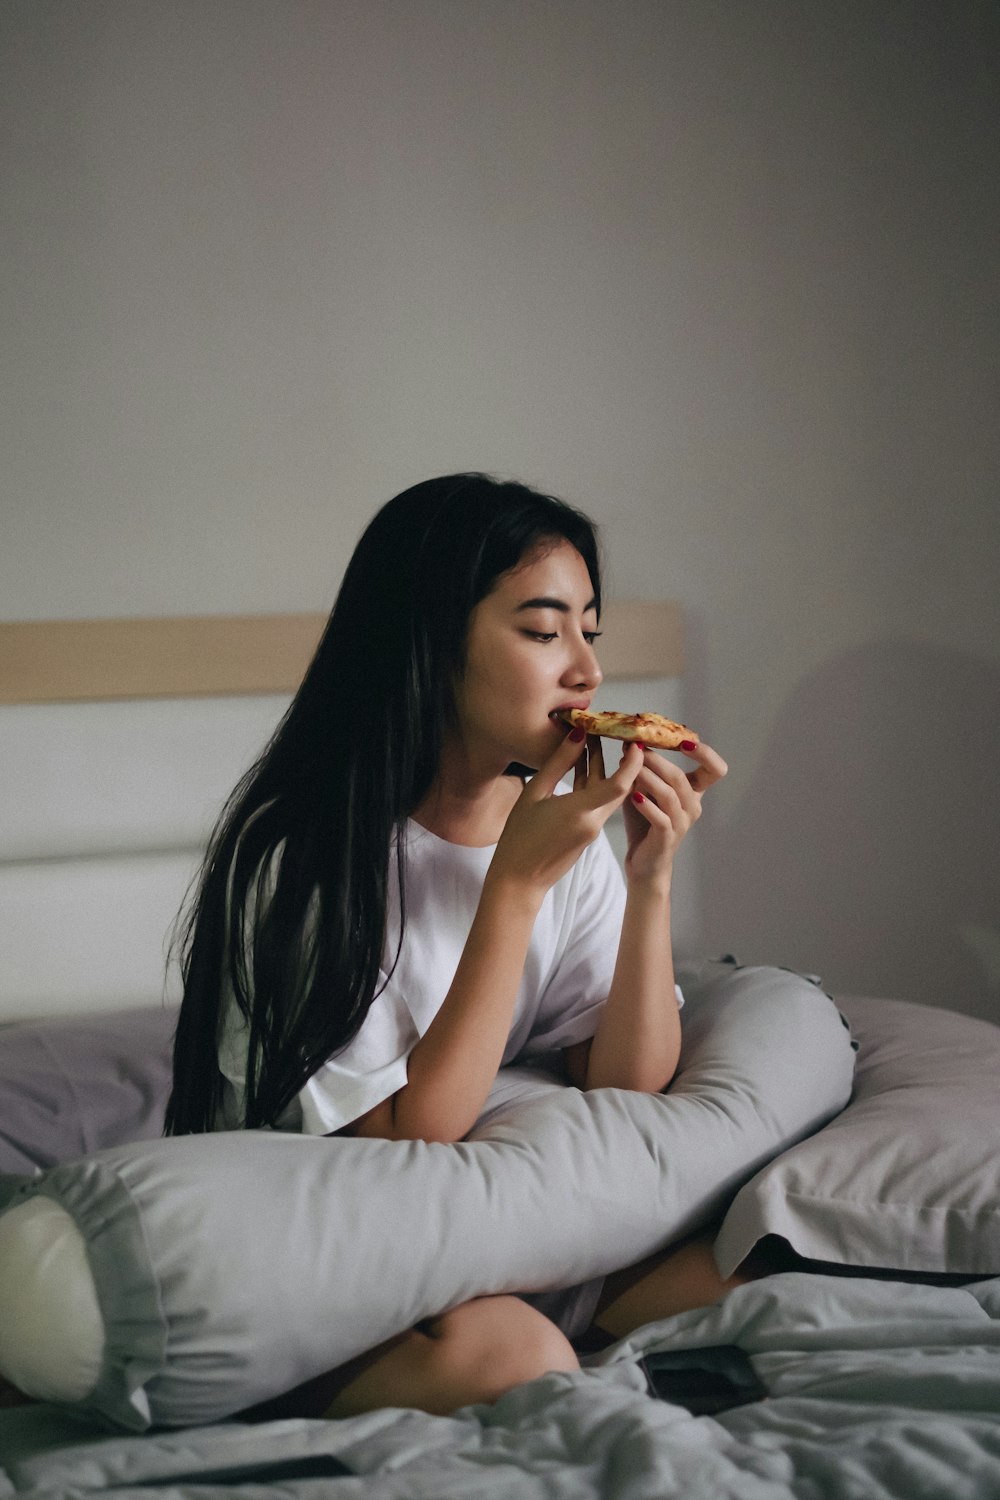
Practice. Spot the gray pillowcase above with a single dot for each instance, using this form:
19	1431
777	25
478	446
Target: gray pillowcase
908	1177
232	1267
74	1085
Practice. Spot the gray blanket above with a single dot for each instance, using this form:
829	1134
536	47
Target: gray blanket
878	1390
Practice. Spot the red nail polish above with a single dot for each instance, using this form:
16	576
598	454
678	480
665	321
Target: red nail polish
639	743
576	735
689	744
637	797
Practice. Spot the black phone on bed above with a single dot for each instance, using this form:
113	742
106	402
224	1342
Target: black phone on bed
705	1381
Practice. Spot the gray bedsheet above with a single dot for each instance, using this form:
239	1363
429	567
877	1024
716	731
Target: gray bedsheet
879	1390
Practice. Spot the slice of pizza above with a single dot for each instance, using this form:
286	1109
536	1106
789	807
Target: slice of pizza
652	729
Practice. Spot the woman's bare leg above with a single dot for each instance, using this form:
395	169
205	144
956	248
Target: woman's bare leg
672	1282
475	1353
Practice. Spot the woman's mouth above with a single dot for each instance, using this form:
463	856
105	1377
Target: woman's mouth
557	713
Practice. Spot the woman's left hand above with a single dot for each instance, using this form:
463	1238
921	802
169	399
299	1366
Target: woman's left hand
664	805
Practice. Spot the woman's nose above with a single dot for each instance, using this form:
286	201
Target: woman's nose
586	669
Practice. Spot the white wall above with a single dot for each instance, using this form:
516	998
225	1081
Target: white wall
721	271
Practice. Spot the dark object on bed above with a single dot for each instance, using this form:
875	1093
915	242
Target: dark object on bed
705	1381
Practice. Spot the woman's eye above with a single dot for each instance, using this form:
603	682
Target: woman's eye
590	636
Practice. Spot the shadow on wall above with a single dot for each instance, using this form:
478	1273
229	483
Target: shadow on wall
866	849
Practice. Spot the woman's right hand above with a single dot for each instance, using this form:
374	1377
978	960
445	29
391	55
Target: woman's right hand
547	831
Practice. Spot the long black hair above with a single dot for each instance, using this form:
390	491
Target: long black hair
289	912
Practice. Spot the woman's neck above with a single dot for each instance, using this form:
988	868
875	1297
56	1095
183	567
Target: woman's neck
474	816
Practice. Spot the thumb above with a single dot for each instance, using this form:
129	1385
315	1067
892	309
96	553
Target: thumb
562	759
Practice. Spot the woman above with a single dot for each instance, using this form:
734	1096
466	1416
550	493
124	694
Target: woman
400	896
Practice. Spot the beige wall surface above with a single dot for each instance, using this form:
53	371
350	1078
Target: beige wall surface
723	273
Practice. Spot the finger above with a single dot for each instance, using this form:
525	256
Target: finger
660	772
711	768
632	756
615	788
681	808
566	755
581	770
650	810
595	752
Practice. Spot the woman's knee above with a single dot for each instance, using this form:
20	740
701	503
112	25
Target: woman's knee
492	1344
471	1355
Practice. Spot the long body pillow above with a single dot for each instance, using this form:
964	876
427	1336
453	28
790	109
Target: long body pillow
229	1268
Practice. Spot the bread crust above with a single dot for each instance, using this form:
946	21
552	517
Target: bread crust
652	729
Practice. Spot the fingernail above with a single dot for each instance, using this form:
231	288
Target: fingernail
576	735
638	797
689	744
639	743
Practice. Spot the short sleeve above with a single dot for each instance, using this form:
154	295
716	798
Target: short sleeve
370	1069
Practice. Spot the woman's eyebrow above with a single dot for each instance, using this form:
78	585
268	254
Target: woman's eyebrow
546	601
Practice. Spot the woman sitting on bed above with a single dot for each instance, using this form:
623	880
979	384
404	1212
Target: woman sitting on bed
401	898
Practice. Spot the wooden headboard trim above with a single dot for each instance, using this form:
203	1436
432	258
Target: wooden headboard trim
54	661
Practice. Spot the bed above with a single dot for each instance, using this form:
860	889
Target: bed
871	1181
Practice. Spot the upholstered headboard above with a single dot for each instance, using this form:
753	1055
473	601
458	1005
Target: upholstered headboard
120	740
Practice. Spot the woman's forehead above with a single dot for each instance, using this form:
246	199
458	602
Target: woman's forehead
551	570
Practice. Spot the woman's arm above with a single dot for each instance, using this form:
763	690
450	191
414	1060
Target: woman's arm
451	1069
638	1037
637	1041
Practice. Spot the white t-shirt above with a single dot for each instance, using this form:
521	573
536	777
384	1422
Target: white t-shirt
566	979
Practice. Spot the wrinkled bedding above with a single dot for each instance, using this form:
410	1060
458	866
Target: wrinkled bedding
879	1390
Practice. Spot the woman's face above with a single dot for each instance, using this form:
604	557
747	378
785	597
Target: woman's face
529	652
